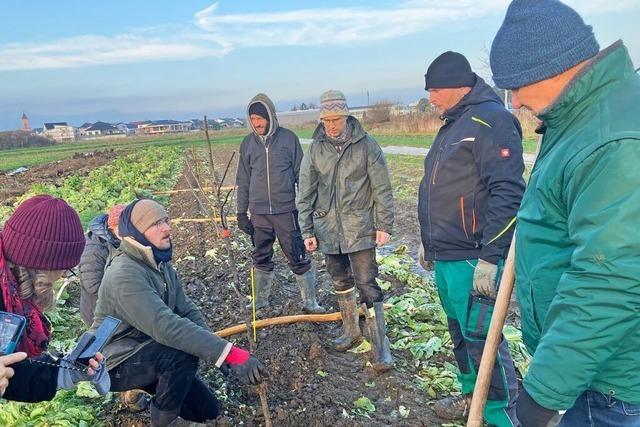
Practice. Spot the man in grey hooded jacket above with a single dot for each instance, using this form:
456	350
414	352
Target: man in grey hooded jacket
267	176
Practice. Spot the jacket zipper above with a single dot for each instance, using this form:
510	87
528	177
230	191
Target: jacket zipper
464	225
433	182
266	149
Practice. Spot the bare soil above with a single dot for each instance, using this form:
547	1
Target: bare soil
309	383
80	164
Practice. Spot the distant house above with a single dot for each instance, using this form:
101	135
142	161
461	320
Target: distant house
161	127
228	123
102	130
59	132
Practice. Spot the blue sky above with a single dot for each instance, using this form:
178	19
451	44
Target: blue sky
125	60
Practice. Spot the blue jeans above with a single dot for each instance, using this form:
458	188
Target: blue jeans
595	409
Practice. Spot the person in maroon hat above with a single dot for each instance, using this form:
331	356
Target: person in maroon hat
41	239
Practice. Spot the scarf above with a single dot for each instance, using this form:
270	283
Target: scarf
126	228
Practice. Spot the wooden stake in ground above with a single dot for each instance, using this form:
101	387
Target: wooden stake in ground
226	234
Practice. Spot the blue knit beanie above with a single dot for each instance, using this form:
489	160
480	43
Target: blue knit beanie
539	39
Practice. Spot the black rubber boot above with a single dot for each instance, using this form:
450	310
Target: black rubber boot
307	284
160	418
262	281
377	332
350	327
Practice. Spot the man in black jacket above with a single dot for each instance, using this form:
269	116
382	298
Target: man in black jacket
468	199
267	175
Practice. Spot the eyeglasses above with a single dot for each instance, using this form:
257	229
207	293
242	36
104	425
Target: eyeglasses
164	221
69	273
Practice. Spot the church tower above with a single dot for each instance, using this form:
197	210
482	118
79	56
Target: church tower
25	123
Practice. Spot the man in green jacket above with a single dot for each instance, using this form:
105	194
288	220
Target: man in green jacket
163	335
577	246
345	205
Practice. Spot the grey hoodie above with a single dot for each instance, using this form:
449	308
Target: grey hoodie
269	167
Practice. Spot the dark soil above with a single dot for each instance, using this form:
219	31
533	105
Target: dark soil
51	173
309	383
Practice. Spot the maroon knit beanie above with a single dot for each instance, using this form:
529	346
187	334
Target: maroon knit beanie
43	233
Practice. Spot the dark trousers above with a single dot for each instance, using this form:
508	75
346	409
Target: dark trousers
593	409
286	229
169	375
359	267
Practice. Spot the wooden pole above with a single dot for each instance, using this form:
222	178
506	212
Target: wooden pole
284	320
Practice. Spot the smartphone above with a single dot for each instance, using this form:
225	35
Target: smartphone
11	327
98	340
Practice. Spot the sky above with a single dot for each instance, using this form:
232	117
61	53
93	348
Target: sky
120	60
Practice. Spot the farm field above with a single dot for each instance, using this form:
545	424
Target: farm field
308	380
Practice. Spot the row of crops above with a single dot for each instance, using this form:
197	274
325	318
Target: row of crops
136	175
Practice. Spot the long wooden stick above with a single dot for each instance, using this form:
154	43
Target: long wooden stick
217	219
284	320
181	190
494	336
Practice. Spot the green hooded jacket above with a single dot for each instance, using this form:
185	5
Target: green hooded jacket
148	298
343	198
577	245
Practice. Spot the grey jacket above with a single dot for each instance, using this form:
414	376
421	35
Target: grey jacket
345	197
100	243
148	298
268	168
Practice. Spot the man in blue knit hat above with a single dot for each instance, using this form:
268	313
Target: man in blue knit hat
467	202
577	269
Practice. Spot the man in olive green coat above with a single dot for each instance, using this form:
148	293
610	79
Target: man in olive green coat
345	205
577	246
162	336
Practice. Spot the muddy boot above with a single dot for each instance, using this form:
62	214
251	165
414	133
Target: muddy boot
453	407
161	418
377	332
262	281
307	284
350	326
135	400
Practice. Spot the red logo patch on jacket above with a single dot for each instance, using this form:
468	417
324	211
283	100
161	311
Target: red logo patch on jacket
505	153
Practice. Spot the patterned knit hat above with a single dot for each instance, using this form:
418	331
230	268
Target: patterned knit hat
333	103
113	216
539	39
43	233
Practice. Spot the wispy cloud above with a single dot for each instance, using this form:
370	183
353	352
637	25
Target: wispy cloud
215	34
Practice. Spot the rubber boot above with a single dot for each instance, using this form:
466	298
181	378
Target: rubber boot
262	281
377	332
307	284
350	326
453	407
160	418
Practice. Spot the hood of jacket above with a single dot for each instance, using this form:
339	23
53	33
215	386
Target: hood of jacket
481	92
271	110
98	228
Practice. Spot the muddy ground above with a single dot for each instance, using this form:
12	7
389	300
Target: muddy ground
51	173
310	383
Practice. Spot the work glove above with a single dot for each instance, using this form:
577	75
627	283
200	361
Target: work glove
484	278
69	375
244	224
530	414
424	263
244	365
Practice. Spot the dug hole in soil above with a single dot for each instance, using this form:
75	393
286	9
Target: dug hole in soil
309	383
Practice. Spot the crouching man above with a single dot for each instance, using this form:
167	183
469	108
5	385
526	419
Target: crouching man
163	334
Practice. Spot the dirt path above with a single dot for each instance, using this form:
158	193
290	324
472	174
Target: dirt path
418	151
